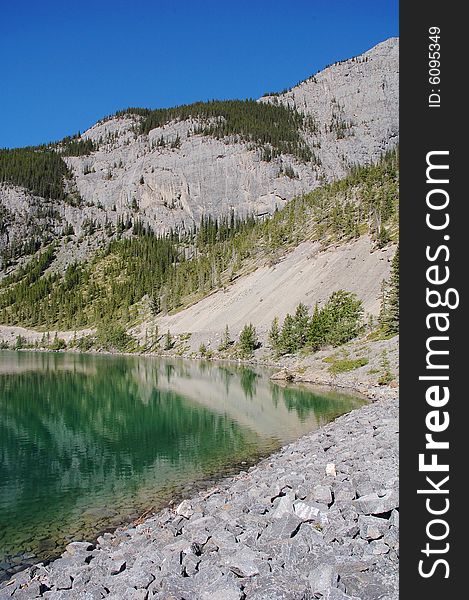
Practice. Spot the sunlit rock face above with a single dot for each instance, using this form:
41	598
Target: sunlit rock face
354	107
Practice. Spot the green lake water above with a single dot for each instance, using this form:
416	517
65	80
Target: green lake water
90	442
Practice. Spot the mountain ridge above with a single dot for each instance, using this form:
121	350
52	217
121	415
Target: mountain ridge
172	184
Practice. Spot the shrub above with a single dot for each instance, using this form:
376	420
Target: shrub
113	337
85	343
20	342
58	343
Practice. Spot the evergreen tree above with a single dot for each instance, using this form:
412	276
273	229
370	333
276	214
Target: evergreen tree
302	321
383	237
248	341
74	146
274	335
226	340
275	129
342	317
168	341
58	343
156	336
155	305
287	343
111	336
389	316
315	333
176	143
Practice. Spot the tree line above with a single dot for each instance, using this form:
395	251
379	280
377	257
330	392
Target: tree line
276	127
337	322
41	171
165	273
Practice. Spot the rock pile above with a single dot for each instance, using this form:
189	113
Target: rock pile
319	519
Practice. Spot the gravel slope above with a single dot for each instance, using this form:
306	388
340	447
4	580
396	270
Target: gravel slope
305	275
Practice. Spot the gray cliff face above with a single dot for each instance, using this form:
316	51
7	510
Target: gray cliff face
354	105
175	186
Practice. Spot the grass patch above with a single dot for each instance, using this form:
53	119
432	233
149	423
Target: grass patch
379	334
344	365
363	348
385	378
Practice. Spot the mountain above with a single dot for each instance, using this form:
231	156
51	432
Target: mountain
166	169
339	236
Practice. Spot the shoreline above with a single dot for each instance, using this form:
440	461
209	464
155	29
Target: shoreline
217	534
286	369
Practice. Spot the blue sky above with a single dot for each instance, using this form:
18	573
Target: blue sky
67	64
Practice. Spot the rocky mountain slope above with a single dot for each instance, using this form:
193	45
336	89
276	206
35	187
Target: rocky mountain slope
173	174
318	243
355	104
304	275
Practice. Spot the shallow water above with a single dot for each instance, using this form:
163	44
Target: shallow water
89	442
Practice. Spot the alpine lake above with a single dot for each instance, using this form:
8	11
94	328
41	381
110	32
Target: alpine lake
91	442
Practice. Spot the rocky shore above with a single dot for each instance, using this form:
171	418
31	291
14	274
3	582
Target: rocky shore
318	519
